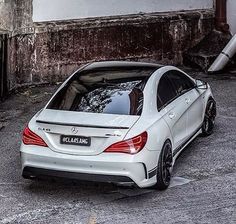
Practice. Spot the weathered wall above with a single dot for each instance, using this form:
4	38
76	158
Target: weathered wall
22	20
21	26
6	16
48	10
16	16
56	49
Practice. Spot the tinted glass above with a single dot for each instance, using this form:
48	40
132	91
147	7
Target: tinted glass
165	92
109	92
180	81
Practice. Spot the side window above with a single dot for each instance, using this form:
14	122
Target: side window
165	92
180	81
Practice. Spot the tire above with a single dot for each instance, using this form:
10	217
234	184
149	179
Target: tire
209	118
164	167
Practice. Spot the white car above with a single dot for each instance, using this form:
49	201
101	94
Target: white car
119	122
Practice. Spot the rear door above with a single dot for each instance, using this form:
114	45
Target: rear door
185	88
173	109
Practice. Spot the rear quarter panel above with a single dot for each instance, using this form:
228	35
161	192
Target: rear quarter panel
151	120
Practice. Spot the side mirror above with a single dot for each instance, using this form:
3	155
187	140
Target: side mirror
201	84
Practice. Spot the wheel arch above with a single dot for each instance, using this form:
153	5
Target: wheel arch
168	140
210	97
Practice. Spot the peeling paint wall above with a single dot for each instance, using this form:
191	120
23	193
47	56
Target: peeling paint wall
23	13
55	49
6	16
50	51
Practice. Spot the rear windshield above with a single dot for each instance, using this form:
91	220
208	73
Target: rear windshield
108	92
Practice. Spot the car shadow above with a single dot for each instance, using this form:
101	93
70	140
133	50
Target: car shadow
83	189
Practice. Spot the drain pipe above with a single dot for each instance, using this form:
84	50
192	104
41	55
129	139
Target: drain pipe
224	57
221	16
221	25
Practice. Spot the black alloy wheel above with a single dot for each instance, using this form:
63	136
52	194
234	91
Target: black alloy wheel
209	119
164	167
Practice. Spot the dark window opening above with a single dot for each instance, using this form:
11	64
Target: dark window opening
181	82
171	85
165	93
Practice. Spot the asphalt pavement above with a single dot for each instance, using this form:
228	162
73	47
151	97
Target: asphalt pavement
203	188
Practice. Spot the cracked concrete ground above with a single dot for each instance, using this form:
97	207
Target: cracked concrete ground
209	163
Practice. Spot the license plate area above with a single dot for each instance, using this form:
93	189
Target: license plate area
75	140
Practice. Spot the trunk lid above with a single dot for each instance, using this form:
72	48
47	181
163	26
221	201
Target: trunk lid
102	129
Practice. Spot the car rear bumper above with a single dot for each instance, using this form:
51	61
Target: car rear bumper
106	167
32	171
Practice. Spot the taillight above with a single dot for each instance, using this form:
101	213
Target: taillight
130	146
30	138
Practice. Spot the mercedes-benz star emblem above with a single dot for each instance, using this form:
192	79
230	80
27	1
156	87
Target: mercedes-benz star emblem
74	130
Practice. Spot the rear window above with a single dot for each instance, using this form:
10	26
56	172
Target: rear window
108	92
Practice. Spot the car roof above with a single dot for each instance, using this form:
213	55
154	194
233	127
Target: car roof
104	65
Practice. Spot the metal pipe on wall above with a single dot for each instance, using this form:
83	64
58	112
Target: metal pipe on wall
221	16
221	24
224	57
3	66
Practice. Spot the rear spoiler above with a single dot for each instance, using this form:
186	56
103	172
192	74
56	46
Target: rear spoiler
79	125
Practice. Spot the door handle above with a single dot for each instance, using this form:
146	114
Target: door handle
187	100
171	115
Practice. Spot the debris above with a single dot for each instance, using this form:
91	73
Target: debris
1	127
26	93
